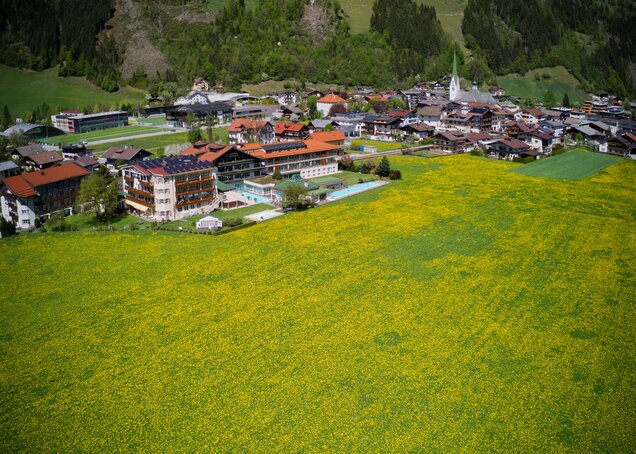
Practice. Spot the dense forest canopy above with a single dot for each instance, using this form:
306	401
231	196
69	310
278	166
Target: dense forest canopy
594	39
310	40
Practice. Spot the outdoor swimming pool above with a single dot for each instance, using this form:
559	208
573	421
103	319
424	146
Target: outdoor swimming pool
263	215
355	189
256	198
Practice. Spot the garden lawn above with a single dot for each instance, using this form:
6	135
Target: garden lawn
352	178
25	90
462	309
573	165
86	222
223	215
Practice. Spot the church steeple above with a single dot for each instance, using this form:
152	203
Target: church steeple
454	88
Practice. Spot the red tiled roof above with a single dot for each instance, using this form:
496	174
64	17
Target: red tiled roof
400	113
328	136
631	136
312	146
200	148
331	99
26	185
241	124
295	127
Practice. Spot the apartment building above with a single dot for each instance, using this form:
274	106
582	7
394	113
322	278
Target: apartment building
165	189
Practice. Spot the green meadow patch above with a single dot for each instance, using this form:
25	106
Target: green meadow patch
573	165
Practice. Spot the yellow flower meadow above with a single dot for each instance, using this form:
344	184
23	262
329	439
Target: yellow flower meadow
466	308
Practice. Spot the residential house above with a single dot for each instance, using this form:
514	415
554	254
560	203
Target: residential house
319	124
419	130
36	195
431	115
116	157
623	145
245	131
234	165
530	116
87	162
413	97
539	140
499	119
407	117
509	148
201	147
350	123
287	98
382	127
308	158
43	160
170	188
449	142
74	151
21	153
290	131
8	169
291	113
325	104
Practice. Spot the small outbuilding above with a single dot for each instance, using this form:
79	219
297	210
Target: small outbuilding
209	223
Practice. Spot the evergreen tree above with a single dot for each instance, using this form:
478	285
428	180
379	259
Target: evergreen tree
384	168
6	118
566	101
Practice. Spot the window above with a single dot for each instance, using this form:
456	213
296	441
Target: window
25	211
26	222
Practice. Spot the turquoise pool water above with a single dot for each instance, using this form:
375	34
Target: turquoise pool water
256	198
355	189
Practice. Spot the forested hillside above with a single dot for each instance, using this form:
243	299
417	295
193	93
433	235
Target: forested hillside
595	40
248	41
39	34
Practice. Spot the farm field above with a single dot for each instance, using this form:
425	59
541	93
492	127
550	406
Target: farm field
560	81
455	310
573	165
24	90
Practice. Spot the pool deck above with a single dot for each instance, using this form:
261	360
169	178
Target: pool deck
264	215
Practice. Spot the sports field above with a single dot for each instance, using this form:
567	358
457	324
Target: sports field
466	308
573	165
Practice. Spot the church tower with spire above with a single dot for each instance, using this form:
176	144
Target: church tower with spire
454	83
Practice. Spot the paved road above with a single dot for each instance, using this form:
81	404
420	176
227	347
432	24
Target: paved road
137	136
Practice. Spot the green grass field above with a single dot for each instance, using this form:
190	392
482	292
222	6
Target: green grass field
86	222
463	309
190	223
449	12
527	87
25	90
573	165
103	134
156	143
380	144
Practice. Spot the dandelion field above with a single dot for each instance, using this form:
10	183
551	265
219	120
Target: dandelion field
465	308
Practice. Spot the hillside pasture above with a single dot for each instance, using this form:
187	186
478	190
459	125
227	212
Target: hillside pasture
535	83
25	90
462	309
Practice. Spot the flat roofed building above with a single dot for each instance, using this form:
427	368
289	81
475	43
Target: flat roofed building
35	195
170	188
78	122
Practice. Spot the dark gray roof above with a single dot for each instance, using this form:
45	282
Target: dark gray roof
8	165
475	96
28	150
